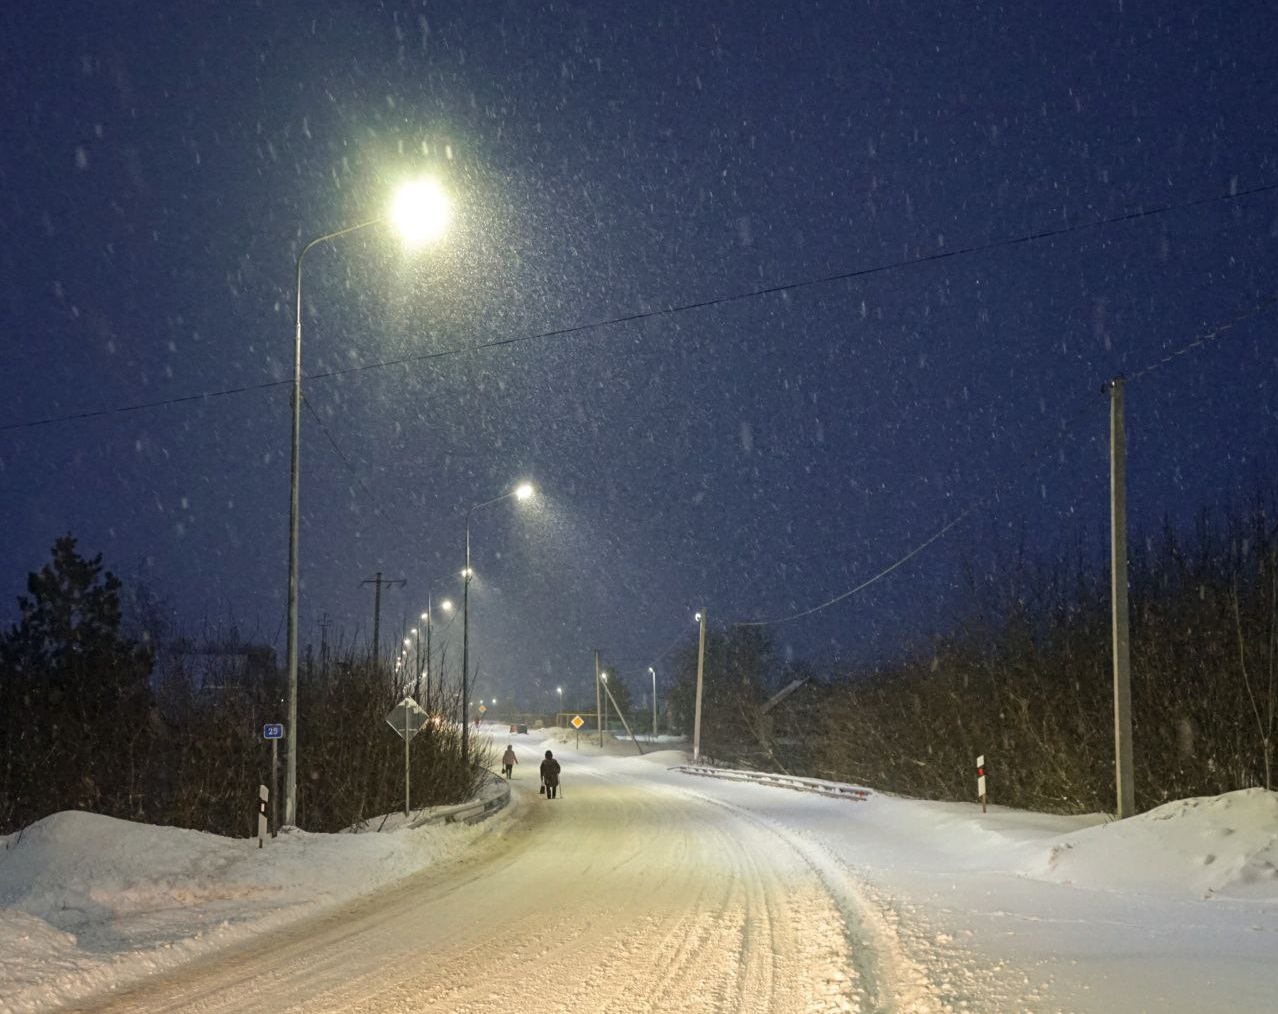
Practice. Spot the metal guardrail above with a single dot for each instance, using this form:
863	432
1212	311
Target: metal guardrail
837	790
468	813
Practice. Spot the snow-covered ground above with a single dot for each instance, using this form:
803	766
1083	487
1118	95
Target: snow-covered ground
649	889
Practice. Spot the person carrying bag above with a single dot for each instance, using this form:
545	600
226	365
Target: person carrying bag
549	776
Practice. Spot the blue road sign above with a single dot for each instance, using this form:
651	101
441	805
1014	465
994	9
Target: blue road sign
274	731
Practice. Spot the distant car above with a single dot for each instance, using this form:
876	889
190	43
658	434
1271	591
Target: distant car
522	729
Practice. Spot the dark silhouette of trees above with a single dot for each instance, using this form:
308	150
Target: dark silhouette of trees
78	723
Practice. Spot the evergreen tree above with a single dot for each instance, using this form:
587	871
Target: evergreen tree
74	693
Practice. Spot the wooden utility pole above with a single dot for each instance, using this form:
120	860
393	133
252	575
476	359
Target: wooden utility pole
377	581
1118	599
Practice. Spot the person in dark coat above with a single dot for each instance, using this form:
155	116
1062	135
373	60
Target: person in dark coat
550	774
508	761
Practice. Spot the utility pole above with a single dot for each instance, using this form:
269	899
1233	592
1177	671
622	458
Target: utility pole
430	622
701	668
598	701
377	581
1126	792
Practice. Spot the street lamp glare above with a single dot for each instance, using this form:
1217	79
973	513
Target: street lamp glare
697	618
426	616
524	491
446	605
421	212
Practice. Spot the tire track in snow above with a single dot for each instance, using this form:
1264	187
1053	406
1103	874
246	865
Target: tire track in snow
891	981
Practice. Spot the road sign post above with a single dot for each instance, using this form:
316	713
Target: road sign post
407	719
274	731
577	723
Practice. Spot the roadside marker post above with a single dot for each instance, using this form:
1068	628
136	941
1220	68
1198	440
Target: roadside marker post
262	794
980	780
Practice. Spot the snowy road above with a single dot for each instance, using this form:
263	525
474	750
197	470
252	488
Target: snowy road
649	889
626	895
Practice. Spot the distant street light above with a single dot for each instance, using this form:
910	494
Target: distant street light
701	666
521	492
653	673
424	662
420	214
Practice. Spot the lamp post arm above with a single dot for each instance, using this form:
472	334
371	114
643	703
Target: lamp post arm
290	775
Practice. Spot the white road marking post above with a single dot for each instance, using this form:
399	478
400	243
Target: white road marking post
980	780
263	794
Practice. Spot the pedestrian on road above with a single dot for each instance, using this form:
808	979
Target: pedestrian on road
508	761
550	774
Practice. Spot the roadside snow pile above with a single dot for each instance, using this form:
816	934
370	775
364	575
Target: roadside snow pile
1213	845
88	901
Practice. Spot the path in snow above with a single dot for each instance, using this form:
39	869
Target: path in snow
626	896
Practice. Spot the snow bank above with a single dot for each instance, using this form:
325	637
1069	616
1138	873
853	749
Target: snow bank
1213	845
88	902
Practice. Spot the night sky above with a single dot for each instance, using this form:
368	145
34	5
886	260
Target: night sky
162	164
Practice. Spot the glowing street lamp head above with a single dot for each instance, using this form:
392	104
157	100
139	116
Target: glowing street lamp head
446	605
697	617
524	491
603	676
421	212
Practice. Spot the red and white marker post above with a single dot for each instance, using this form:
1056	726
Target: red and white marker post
980	780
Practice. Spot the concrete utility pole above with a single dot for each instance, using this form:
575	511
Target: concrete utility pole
598	701
701	668
430	622
377	581
1118	598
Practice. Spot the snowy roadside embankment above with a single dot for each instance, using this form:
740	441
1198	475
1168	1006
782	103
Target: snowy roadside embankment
1172	910
89	902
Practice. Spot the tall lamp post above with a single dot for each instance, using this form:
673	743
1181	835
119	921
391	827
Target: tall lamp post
701	667
521	492
421	214
653	673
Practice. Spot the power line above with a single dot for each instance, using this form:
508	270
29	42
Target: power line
1207	337
344	459
702	304
1199	342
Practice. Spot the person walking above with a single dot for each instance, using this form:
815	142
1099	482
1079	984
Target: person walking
508	761
550	775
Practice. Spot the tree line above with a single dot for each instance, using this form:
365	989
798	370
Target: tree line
1024	678
144	725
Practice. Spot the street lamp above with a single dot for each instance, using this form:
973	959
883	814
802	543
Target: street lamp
701	665
653	673
521	492
603	723
427	616
420	214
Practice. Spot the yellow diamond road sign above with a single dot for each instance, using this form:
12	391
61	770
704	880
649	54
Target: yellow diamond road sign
483	708
577	721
